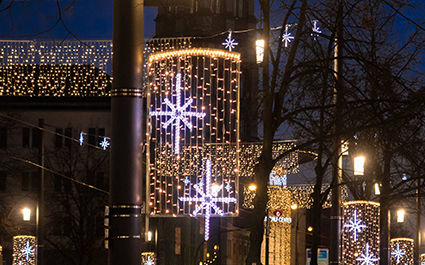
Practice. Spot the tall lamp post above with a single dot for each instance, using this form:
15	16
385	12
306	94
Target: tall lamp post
126	191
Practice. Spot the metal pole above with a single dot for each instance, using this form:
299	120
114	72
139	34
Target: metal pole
40	204
126	181
267	238
418	225
335	218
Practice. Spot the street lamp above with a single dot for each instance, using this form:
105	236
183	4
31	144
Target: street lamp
359	162
26	214
259	49
400	215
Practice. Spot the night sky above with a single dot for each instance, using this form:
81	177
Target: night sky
87	19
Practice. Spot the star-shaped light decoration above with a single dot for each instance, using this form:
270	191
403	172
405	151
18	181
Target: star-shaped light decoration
105	143
206	201
230	43
178	113
28	251
316	30
228	187
149	261
367	258
81	139
287	36
355	225
186	181
398	253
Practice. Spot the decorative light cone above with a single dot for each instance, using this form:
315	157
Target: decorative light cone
148	258
24	250
360	233
422	259
402	251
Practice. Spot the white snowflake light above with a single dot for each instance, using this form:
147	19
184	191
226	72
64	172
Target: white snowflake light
367	258
81	139
105	143
355	225
230	43
316	30
228	187
207	201
398	253
178	113
149	261
186	181
287	36
28	251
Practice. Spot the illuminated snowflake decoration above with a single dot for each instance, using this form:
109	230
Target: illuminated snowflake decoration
149	261
230	43
398	253
207	201
287	36
355	225
367	258
105	143
178	113
81	139
228	187
186	181
28	250
316	30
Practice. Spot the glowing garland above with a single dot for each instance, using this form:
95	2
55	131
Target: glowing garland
210	260
208	200
355	225
24	250
104	144
367	258
209	80
148	258
364	249
402	251
178	113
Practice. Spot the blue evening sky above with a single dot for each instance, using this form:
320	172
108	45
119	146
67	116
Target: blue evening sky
87	19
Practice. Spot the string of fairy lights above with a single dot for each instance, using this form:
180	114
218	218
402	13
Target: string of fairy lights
193	132
24	250
402	251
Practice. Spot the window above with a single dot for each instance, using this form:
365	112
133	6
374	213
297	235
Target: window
59	138
3	180
25	137
3	137
36	138
25	181
35	181
92	136
57	183
68	134
100	180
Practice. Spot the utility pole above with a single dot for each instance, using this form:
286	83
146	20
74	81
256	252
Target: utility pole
335	244
126	180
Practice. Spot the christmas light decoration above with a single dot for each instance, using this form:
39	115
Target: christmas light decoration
367	258
81	139
207	201
360	239
211	259
55	69
207	120
178	113
230	43
287	36
300	196
422	259
316	31
354	225
279	223
148	258
105	143
24	250
402	251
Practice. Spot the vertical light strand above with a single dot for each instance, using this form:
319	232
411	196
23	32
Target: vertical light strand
402	251
360	232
